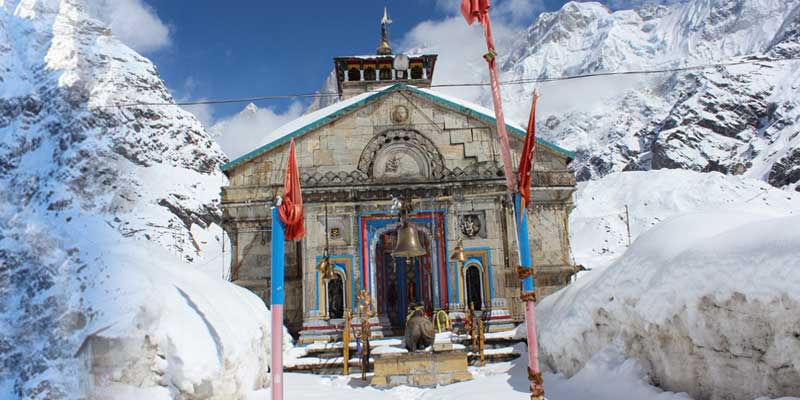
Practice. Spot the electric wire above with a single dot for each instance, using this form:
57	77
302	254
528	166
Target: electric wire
475	84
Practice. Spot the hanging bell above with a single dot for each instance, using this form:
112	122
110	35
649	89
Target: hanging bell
324	266
328	274
408	244
458	252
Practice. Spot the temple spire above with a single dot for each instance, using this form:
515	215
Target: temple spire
384	48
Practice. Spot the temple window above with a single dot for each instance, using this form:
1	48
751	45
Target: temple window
416	72
386	74
353	74
369	74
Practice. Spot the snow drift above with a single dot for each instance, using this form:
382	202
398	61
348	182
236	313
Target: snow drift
109	225
597	225
706	301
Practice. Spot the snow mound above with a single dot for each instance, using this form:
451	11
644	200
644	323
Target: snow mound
180	330
110	239
597	224
707	302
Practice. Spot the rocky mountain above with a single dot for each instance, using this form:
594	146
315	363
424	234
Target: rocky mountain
737	119
742	118
108	220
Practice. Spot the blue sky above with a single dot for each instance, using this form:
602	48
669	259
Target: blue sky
215	49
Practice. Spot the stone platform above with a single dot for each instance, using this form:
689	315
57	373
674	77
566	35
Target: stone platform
420	369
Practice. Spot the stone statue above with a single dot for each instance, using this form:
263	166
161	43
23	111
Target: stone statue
419	332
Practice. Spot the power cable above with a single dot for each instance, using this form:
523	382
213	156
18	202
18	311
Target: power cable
449	85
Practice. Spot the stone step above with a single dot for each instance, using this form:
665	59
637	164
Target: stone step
326	358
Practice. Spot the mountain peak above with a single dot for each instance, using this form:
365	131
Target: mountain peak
250	109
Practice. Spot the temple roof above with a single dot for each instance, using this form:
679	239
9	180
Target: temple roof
316	119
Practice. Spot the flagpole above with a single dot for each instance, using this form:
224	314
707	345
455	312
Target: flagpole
505	148
529	297
479	9
277	295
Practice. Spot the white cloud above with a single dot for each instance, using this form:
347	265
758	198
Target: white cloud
461	47
517	12
134	23
203	112
502	11
248	129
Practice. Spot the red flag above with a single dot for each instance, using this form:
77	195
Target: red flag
291	209
526	158
474	10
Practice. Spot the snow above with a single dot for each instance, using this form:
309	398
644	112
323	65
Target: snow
689	280
597	225
607	376
110	225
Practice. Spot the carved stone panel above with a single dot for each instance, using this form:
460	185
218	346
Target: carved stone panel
400	161
472	225
399	153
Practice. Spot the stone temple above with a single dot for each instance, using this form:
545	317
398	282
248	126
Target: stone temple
390	136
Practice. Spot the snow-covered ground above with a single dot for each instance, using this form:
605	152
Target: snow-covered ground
706	300
597	225
608	376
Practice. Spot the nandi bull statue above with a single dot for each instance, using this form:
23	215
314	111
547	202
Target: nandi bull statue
419	331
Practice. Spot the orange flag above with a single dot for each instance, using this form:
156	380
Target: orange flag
474	10
526	158
291	210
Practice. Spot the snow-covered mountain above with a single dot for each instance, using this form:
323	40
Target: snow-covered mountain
736	119
742	119
109	221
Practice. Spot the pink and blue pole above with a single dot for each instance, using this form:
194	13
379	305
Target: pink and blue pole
528	290
277	294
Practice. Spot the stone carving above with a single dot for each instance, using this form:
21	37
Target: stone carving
407	142
419	332
471	225
401	162
400	114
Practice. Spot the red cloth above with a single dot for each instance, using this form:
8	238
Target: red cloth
474	10
291	210
526	158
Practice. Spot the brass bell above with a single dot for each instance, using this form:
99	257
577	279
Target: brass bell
328	273
408	244
325	267
458	252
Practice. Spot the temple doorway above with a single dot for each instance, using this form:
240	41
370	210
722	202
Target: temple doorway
335	291
401	282
474	286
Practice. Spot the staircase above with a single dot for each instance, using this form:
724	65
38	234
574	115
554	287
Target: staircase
327	358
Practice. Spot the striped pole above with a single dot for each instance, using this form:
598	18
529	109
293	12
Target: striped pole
528	296
276	366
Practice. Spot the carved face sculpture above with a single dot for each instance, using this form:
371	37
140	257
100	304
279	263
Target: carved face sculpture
470	225
400	114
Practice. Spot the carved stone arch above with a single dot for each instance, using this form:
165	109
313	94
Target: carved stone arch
408	142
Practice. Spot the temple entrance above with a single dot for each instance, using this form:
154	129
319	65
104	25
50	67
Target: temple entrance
335	290
401	282
474	287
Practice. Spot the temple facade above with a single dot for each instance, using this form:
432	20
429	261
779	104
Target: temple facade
388	137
